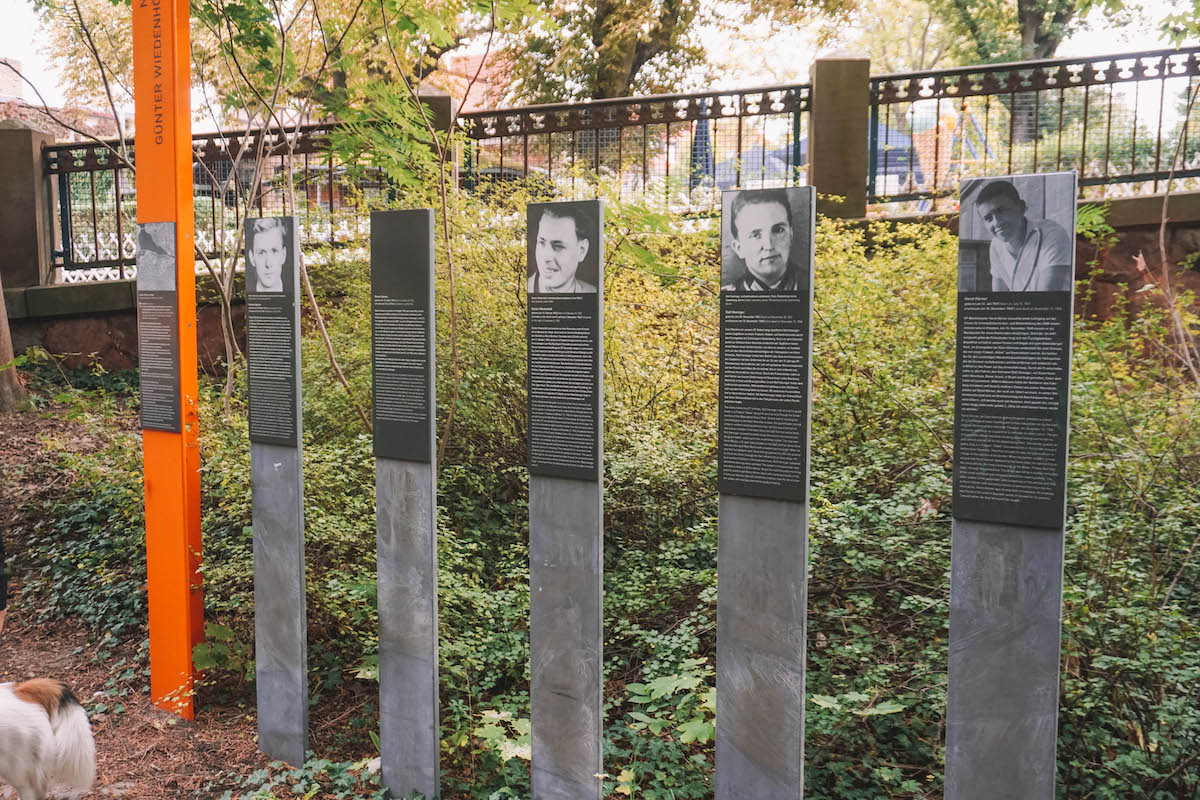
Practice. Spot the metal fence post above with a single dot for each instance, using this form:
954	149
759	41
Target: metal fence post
872	150
64	220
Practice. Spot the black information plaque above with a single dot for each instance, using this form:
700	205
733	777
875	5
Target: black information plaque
158	327
1016	274
1013	385
565	320
273	331
766	343
402	333
763	422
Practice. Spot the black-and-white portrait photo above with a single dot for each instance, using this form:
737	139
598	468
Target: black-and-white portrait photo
765	240
156	257
1016	234
564	247
270	253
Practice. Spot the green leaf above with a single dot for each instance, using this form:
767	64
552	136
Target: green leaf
368	668
887	707
696	730
220	633
202	657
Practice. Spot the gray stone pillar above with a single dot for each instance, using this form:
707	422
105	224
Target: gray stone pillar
762	610
25	226
280	616
406	530
838	130
564	330
1005	636
402	367
277	475
1011	430
440	105
566	609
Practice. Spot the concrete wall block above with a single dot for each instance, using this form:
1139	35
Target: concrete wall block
81	298
838	134
24	199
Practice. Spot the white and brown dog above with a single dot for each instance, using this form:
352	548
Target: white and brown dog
44	736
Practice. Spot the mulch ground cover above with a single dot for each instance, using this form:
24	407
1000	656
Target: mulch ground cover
143	753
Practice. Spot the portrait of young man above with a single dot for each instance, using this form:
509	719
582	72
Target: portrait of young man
268	254
1026	254
565	252
763	247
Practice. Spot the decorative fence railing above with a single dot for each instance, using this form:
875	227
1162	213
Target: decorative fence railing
679	150
1115	119
1119	120
97	209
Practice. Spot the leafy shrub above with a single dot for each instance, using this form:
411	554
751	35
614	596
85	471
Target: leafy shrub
879	519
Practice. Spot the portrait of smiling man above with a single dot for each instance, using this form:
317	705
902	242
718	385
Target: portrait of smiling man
762	237
268	254
1025	255
562	243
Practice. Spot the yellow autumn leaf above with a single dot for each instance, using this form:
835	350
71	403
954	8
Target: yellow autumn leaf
625	783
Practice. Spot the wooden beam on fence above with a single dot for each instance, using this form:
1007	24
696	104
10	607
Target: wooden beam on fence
170	451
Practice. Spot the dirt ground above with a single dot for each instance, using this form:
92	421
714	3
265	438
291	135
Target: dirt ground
143	753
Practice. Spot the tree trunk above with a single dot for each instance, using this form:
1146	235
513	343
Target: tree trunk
1040	38
12	392
614	52
1024	126
623	49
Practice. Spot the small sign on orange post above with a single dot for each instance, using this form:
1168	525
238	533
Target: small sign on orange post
163	156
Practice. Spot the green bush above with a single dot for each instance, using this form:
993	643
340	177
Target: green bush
879	536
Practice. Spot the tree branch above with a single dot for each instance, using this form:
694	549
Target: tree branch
45	109
112	103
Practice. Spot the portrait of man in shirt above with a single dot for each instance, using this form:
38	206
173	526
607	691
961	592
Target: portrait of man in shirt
762	244
564	252
1025	254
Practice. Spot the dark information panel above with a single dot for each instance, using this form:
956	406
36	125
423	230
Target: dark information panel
766	342
272	336
158	328
402	333
564	385
158	360
565	280
1010	432
763	425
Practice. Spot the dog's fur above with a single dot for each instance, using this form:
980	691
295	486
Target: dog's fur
44	736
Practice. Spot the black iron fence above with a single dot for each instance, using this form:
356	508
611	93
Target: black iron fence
1119	120
97	209
678	150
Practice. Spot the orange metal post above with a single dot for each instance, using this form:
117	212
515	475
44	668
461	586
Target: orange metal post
163	155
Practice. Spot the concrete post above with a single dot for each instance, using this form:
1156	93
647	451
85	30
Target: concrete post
441	106
12	392
838	133
24	208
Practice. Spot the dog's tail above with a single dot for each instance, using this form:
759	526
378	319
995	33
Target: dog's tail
75	749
